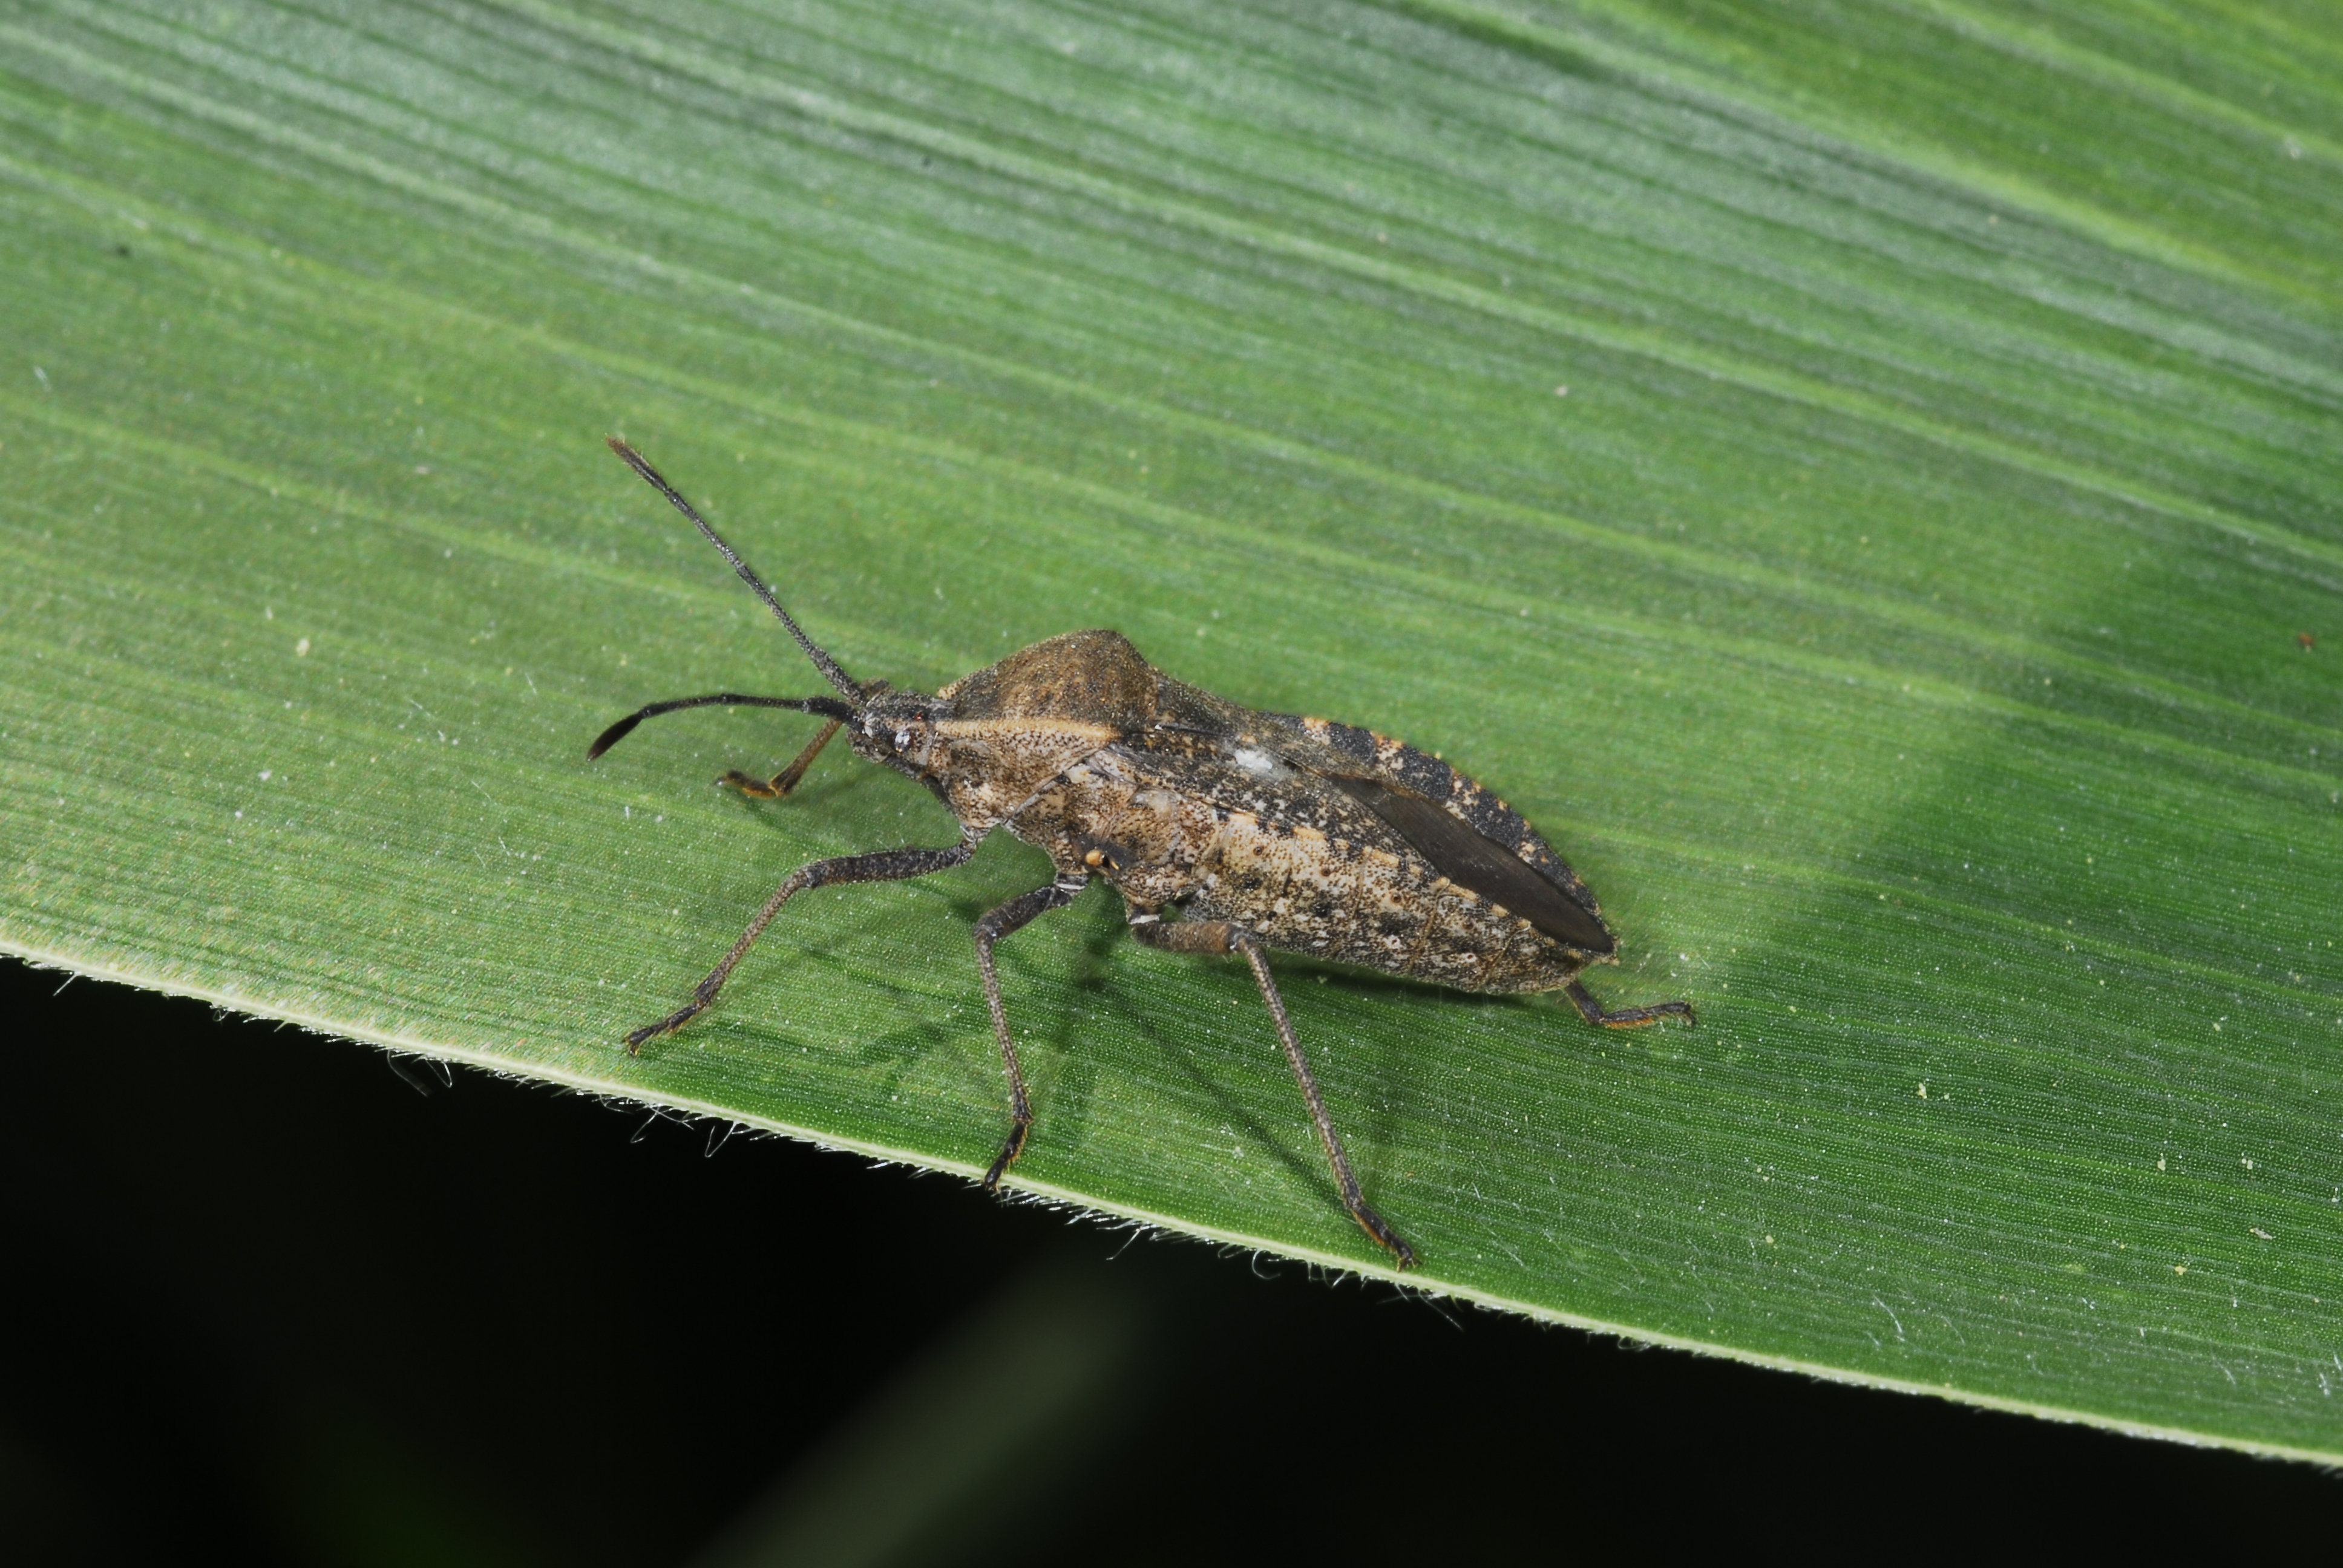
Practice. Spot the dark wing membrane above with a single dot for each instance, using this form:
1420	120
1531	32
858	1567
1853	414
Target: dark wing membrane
1342	750
1472	861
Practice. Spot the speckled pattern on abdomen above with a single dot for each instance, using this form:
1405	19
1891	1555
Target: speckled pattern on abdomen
1336	895
1335	898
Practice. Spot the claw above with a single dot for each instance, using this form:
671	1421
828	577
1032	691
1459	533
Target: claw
668	1025
1374	1225
1008	1156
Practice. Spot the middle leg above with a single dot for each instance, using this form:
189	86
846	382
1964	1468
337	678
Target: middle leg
1016	913
1221	938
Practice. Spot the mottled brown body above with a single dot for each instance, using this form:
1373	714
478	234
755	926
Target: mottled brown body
1247	829
1232	815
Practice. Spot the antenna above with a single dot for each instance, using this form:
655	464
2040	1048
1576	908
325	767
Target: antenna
844	683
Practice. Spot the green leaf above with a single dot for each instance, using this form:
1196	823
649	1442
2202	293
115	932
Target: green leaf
1895	620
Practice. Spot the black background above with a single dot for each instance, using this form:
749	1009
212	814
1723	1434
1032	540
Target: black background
265	1300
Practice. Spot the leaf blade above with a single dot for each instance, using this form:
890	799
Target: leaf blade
1897	582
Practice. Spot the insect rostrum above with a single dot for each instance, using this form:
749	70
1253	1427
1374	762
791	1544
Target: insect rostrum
1226	830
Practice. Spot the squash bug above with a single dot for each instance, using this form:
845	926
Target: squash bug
1227	831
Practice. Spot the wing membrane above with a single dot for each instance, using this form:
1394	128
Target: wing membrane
1470	860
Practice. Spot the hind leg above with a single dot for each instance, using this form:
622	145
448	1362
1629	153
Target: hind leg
1219	938
1594	1012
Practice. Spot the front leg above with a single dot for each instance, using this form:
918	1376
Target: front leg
1017	912
782	783
1221	938
886	866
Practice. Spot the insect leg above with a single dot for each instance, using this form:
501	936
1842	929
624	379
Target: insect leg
886	866
1596	1012
787	779
1017	912
1221	938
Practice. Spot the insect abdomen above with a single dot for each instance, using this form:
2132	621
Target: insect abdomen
1333	897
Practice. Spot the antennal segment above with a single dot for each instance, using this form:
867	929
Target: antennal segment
845	684
829	708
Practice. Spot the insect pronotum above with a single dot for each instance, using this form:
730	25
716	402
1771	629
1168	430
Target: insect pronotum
1227	831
